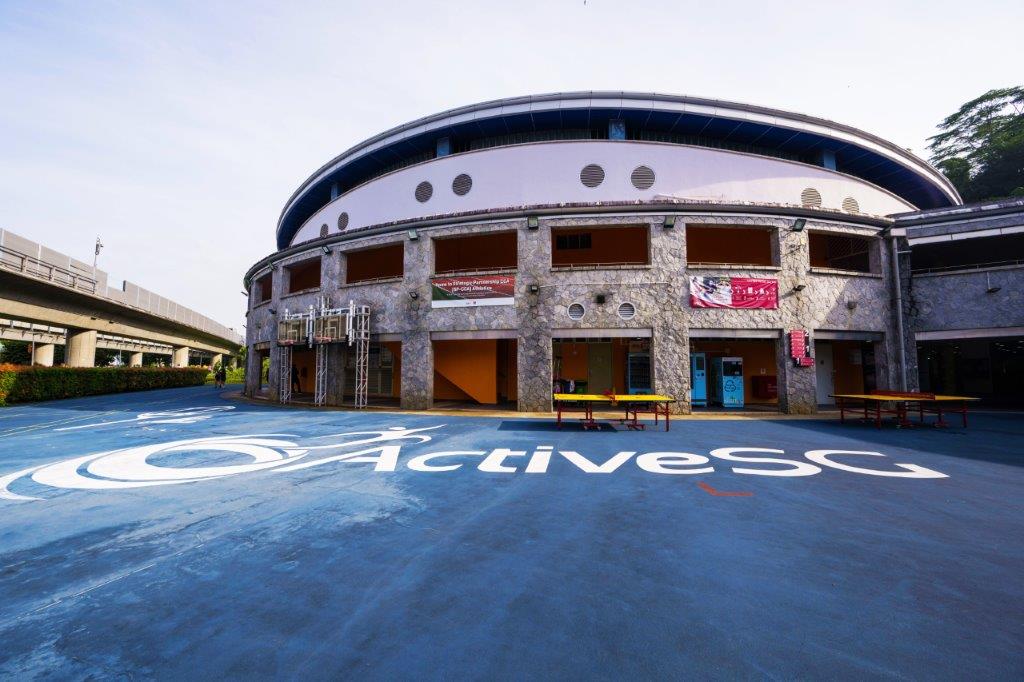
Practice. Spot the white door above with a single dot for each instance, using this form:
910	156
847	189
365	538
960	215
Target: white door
824	370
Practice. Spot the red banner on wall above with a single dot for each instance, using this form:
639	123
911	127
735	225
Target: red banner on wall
733	292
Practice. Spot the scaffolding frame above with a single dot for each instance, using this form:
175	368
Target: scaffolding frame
320	386
319	333
359	323
284	387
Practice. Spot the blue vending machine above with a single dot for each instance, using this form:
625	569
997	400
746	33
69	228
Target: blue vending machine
698	380
727	382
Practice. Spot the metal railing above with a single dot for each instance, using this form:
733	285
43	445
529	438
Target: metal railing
30	265
967	267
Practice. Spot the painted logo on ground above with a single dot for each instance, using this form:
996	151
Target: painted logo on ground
277	453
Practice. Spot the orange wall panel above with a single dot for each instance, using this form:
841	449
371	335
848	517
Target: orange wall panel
471	366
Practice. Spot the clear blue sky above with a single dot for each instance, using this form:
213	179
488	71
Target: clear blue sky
177	130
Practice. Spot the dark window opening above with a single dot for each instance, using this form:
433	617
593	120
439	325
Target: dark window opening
968	253
573	241
494	251
304	276
600	246
379	263
728	245
264	289
840	252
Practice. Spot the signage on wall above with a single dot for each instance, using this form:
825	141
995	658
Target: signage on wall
733	292
472	290
799	349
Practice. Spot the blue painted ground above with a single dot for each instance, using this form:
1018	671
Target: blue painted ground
338	570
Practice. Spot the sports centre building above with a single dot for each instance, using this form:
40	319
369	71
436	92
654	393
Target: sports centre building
595	241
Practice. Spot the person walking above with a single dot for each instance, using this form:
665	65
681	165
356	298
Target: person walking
221	377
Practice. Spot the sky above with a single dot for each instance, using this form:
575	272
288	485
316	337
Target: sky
176	131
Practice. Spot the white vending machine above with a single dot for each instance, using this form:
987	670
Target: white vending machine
727	382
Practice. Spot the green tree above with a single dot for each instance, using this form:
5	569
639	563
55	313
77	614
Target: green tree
980	148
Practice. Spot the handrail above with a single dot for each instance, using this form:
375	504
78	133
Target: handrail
46	271
969	266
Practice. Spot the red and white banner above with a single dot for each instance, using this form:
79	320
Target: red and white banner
472	290
733	292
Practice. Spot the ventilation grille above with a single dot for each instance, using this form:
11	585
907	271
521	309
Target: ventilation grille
424	191
462	184
627	311
592	175
850	205
576	312
642	177
323	230
343	221
810	197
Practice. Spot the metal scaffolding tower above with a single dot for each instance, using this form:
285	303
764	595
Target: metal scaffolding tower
320	390
359	324
317	328
284	374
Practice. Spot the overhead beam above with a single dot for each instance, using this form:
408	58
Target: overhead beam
34	301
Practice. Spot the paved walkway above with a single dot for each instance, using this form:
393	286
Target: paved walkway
321	544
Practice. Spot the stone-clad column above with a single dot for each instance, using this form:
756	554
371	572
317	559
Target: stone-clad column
670	345
417	351
336	357
797	385
533	319
135	360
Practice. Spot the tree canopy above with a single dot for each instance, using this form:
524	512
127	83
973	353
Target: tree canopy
980	148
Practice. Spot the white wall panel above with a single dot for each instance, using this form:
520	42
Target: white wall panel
548	173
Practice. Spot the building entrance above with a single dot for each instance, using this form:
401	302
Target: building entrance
734	373
475	372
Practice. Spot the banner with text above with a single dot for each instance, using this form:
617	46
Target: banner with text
473	290
733	292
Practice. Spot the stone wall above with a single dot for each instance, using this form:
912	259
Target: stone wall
830	300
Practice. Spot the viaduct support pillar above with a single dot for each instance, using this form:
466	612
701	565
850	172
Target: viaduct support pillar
180	357
43	355
217	359
80	348
135	360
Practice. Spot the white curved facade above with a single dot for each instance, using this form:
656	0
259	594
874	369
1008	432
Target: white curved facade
549	174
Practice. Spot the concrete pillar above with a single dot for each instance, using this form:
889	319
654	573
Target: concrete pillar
217	358
43	355
80	348
135	360
179	358
232	362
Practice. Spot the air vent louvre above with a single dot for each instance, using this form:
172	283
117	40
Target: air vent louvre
576	312
424	191
627	311
810	198
343	221
462	184
323	230
850	205
642	177
592	175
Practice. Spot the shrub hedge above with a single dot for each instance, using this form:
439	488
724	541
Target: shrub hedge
21	383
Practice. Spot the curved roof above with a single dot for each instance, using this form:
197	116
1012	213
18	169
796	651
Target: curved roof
687	120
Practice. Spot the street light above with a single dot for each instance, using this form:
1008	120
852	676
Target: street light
96	253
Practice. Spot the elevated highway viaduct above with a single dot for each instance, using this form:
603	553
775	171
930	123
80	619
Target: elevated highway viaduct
72	301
